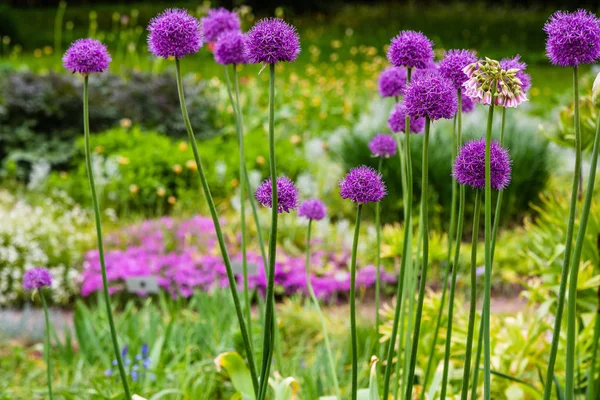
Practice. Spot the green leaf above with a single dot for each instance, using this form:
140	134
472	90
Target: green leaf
373	388
238	372
286	389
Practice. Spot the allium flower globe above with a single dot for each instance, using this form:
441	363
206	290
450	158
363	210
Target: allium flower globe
573	38
272	40
230	48
431	96
174	33
86	56
313	209
516	63
392	81
469	166
36	278
451	66
410	49
468	105
382	146
219	21
363	185
397	120
287	194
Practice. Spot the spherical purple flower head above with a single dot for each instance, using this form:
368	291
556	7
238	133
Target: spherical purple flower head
516	63
313	209
174	33
410	49
287	194
382	146
36	278
573	38
432	96
392	81
397	120
218	21
468	105
272	40
230	48
363	185
469	166
451	67
86	56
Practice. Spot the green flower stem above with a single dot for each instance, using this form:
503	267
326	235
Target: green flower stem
353	305
218	231
405	262
315	301
424	262
473	301
564	276
591	378
487	287
457	142
500	193
47	344
378	276
477	361
269	310
90	173
459	230
572	298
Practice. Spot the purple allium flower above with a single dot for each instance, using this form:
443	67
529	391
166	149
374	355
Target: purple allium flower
451	67
410	49
382	145
287	194
468	104
397	120
313	209
469	166
573	38
272	40
36	278
516	63
363	185
218	21
174	33
432	96
86	56
230	48
392	81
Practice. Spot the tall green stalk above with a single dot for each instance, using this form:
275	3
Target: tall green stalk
353	305
477	361
572	298
500	193
487	285
591	376
473	300
378	276
425	259
456	138
269	310
405	262
564	276
47	344
218	230
96	207
315	301
459	230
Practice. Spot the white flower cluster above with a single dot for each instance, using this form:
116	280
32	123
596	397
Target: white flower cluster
52	233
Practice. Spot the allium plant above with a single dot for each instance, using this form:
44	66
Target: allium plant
287	194
397	120
362	185
411	50
392	82
573	39
270	41
469	166
175	33
219	21
36	279
87	56
315	210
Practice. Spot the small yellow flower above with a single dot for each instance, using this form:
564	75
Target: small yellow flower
37	53
122	160
98	149
171	200
134	189
235	183
177	168
48	50
260	160
316	101
295	139
322	115
160	192
64	175
183	146
191	165
125	123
